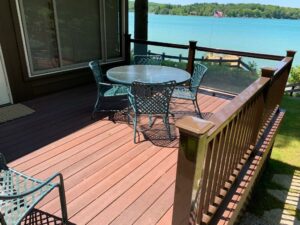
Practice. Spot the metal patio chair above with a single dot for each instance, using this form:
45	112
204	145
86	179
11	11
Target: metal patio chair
106	92
190	92
152	100
19	194
147	60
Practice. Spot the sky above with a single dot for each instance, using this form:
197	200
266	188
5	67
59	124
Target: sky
286	3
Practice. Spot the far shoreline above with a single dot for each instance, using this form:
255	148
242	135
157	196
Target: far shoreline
225	17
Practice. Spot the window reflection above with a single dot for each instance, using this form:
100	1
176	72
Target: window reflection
41	34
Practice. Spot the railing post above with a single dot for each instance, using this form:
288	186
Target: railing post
290	53
191	156
292	91
268	72
239	62
127	52
270	97
191	57
163	56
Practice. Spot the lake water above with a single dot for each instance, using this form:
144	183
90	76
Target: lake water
243	34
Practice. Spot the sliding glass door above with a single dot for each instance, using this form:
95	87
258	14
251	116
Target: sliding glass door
66	34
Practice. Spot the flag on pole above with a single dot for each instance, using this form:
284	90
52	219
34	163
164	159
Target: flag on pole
218	14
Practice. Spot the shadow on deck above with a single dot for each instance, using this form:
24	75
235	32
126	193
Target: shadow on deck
108	178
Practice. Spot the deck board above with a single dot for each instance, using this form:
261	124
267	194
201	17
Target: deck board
108	178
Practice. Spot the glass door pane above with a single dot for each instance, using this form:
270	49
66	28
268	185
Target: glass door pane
113	28
39	27
79	30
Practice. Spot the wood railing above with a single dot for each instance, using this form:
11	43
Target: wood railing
192	49
279	77
292	88
220	60
213	153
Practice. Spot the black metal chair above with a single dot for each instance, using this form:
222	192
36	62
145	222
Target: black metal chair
106	92
19	194
190	92
152	100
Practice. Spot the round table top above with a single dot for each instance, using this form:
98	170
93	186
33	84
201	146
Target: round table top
146	74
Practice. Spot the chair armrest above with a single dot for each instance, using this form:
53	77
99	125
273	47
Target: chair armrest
105	84
44	183
112	85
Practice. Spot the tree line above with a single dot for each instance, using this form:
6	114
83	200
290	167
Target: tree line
229	10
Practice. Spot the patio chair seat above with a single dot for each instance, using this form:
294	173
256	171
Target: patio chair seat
116	91
19	194
183	93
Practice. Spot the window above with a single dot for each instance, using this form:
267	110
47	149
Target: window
66	34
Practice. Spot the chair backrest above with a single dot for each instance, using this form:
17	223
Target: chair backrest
152	98
198	74
147	60
96	69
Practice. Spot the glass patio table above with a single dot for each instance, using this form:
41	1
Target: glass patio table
146	74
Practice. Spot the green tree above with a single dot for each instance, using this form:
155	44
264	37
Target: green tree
230	10
295	75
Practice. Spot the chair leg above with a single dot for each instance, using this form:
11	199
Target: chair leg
150	120
167	125
93	114
197	109
134	128
2	221
63	202
96	107
128	115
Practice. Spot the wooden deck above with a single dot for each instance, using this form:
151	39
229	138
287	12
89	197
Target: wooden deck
108	178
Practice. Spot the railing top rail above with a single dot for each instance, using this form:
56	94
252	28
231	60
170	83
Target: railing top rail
162	44
242	53
224	116
285	62
215	50
293	85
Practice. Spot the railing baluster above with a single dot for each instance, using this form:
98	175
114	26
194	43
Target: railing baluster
204	193
208	197
219	162
224	169
243	141
234	147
